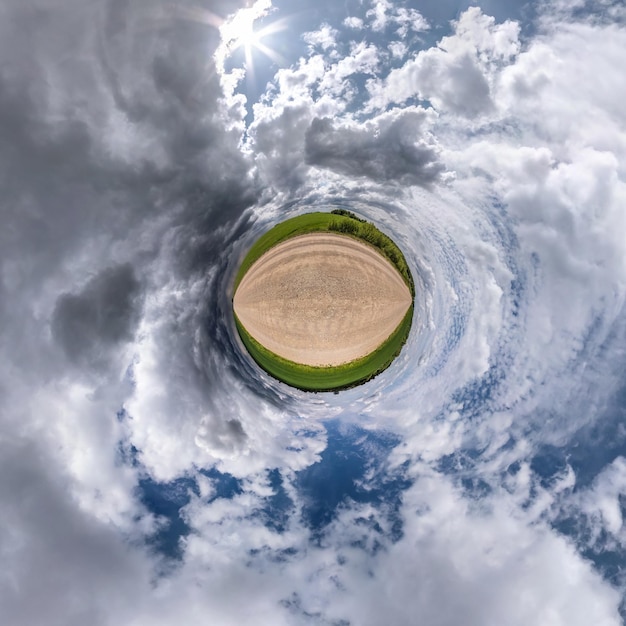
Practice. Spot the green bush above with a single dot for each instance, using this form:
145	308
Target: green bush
346	213
351	225
340	221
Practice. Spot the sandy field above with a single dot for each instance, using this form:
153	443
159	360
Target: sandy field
321	299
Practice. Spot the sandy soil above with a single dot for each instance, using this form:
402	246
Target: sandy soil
321	299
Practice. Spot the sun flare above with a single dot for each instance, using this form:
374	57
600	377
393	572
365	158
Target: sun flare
239	33
247	37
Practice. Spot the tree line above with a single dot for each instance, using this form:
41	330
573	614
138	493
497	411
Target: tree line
353	225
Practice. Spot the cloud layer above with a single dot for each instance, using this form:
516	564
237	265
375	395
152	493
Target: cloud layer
135	175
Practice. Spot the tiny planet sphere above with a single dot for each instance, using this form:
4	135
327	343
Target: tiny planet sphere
315	306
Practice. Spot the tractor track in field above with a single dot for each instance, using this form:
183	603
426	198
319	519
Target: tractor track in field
321	299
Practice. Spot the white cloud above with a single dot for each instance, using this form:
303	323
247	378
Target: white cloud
384	14
600	503
60	564
379	14
455	76
323	38
353	22
317	87
409	20
555	160
397	49
482	563
363	59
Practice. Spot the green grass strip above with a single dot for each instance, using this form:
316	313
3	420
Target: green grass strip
310	378
340	222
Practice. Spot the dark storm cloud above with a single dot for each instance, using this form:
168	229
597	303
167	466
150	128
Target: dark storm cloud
112	131
104	313
52	552
394	148
122	178
110	115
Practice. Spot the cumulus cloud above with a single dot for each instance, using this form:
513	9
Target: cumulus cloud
62	566
392	147
397	49
456	75
324	37
105	312
486	549
383	14
353	22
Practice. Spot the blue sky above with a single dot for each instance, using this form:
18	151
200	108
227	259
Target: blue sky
151	474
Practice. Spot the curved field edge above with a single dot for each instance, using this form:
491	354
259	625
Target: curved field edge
339	221
310	378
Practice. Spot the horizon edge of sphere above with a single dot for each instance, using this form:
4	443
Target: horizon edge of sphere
339	317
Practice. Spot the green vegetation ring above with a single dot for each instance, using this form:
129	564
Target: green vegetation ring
324	301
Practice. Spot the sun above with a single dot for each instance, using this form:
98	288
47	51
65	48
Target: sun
247	37
239	33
